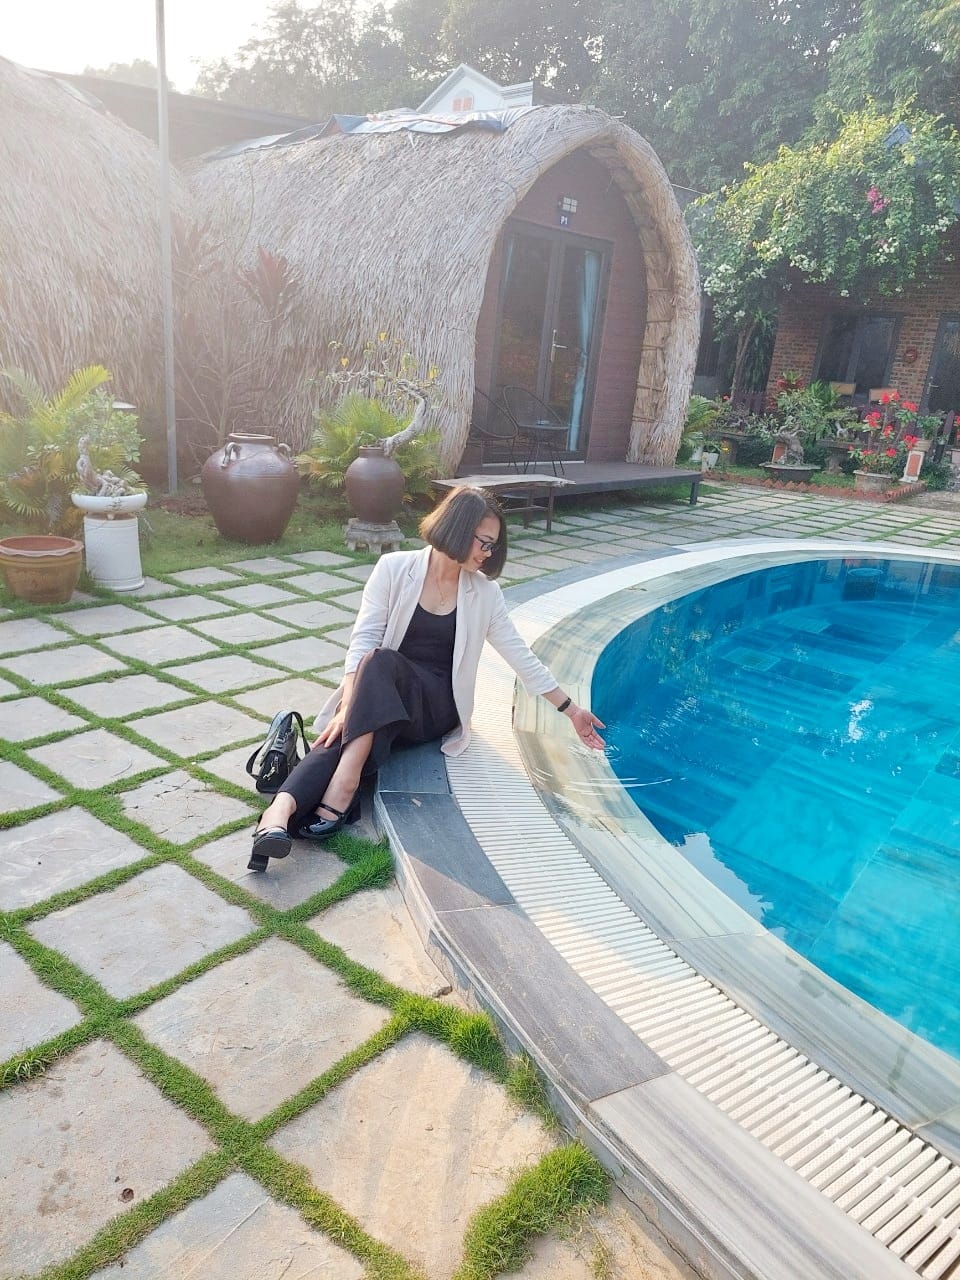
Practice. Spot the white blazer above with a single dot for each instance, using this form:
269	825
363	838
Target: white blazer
389	599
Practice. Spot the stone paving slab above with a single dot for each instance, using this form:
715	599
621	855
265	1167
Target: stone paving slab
107	620
206	577
22	634
160	646
327	558
126	695
75	1139
186	608
416	1106
60	851
26	718
296	693
179	808
255	594
311	615
58	666
359	572
351	601
260	1027
19	789
234	1233
308	869
146	930
375	929
95	758
29	1011
320	583
231	766
192	730
220	675
8	687
242	628
265	566
308	653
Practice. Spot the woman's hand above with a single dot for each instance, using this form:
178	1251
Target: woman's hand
332	731
586	725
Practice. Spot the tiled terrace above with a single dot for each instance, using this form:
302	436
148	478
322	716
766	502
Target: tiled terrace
215	1039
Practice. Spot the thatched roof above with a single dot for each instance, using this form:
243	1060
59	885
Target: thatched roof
79	239
395	233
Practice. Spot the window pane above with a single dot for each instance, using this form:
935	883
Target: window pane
873	359
837	351
944	390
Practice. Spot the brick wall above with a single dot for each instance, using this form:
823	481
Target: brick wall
602	213
805	309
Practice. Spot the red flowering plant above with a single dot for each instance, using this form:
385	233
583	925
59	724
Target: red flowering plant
913	423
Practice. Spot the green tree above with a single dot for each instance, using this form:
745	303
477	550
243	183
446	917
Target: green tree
899	51
339	56
863	212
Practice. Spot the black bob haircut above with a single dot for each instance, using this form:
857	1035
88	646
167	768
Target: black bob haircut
451	527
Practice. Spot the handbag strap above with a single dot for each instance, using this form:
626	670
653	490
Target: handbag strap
282	715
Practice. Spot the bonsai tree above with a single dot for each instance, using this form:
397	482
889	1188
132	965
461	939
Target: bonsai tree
40	447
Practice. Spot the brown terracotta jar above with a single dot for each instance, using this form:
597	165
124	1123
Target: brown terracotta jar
374	485
42	568
251	487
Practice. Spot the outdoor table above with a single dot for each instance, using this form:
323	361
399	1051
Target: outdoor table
523	493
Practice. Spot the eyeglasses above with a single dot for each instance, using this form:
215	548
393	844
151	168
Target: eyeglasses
489	545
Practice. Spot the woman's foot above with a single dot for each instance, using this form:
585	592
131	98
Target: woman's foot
270	839
330	819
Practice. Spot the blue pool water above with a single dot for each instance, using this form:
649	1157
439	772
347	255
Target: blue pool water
796	732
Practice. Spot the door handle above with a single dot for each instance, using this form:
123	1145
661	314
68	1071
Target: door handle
555	346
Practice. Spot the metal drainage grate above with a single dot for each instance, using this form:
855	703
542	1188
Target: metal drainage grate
898	1187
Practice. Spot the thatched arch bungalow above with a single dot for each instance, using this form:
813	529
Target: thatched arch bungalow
460	244
79	238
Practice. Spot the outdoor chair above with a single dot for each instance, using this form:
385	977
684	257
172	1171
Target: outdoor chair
492	427
538	426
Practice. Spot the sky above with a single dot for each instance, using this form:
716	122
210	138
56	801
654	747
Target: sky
68	35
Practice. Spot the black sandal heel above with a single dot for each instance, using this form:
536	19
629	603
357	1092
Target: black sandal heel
270	842
322	828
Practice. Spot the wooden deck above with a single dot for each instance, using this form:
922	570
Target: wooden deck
601	477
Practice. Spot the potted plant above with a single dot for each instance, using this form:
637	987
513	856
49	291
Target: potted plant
39	451
880	460
365	446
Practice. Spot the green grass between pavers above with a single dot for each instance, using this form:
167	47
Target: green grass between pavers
566	1180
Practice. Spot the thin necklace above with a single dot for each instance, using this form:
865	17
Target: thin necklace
440	591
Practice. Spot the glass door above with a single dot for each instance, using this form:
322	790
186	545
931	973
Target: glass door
550	309
943	387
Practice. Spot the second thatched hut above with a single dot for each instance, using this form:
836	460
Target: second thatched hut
549	254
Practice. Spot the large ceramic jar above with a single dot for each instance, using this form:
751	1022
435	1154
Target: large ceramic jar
374	485
251	487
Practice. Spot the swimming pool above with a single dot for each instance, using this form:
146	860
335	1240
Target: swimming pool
793	731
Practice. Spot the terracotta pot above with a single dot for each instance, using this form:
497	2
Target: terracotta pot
251	487
871	482
374	485
42	568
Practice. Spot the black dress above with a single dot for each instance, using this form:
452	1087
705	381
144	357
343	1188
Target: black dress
402	696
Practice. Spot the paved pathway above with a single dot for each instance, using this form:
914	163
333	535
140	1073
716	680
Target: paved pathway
262	1075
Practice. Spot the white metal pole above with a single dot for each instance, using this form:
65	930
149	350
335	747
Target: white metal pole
166	256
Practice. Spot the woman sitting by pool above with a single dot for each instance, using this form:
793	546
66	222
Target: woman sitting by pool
411	670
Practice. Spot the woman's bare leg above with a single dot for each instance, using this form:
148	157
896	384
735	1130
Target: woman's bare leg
346	777
278	812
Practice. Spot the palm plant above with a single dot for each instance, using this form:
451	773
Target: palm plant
39	446
360	420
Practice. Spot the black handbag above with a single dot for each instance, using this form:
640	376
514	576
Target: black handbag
271	763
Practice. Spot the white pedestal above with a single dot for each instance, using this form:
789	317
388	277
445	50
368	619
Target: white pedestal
113	551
